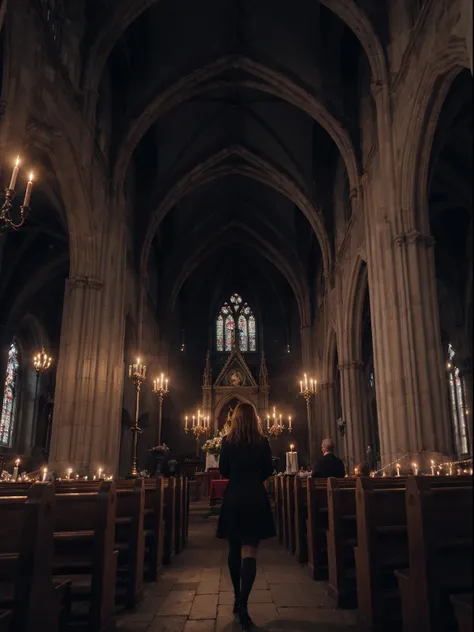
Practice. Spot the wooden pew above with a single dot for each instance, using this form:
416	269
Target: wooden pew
129	534
289	483
28	597
342	536
301	516
154	526
130	541
439	522
169	519
463	611
179	516
284	510
317	524
84	551
278	496
382	548
185	526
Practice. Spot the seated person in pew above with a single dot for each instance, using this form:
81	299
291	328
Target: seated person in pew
363	469
330	464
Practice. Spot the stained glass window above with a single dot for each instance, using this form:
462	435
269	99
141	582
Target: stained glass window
220	333
243	338
229	332
458	404
9	391
252	334
236	317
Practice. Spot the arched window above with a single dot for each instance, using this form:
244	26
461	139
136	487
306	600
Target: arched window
458	404
236	318
7	423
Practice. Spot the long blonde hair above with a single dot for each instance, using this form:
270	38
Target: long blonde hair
245	427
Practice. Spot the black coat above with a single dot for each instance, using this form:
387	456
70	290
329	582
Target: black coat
329	465
245	512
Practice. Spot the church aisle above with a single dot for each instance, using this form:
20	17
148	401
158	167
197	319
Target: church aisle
195	594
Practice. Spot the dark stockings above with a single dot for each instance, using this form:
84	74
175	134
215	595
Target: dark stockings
247	574
235	565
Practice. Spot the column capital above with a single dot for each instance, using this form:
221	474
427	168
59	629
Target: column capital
351	364
89	283
414	237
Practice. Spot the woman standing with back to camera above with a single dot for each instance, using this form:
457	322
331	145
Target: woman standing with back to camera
246	516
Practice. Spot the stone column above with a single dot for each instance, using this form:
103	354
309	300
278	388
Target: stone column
354	412
88	398
328	410
411	391
465	369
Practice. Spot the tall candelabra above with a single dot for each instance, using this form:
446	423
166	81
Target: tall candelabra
41	363
160	388
6	220
307	390
137	374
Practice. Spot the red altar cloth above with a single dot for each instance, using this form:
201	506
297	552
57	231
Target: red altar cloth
218	488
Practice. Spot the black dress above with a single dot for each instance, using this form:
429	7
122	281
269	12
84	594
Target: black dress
246	514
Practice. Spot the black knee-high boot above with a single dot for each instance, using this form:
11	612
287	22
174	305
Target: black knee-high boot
235	565
248	573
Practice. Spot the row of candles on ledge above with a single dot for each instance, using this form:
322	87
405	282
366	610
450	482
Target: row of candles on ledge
436	470
70	476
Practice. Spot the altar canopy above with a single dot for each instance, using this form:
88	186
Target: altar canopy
234	384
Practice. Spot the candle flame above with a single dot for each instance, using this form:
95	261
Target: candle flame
17	462
31	177
291	447
17	161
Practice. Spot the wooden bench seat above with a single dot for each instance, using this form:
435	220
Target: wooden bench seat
439	526
89	562
154	527
29	598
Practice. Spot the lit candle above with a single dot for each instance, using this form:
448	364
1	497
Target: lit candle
15	469
383	474
16	168
45	473
166	386
99	473
94	477
301	386
398	469
415	469
450	469
372	474
306	381
289	423
77	477
68	473
470	471
186	423
29	186
432	468
162	376
194	421
268	422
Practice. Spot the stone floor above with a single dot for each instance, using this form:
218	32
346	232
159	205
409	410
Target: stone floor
194	594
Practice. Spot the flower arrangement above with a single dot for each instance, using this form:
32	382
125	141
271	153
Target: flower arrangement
160	448
213	446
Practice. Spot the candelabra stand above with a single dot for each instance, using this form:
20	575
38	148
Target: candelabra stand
160	388
137	374
307	390
41	363
6	220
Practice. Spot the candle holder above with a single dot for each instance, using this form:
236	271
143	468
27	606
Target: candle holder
137	374
308	389
198	428
6	220
41	363
275	424
160	388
